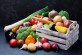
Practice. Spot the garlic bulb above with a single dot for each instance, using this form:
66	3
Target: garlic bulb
24	46
38	44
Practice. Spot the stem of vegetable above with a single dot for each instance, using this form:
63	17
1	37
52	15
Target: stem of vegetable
35	36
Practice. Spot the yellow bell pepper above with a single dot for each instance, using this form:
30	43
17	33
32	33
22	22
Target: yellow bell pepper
61	29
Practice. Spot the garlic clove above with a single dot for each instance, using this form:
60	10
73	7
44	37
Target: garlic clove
24	46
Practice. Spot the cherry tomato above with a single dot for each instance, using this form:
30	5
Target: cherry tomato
43	40
13	42
38	16
33	21
36	22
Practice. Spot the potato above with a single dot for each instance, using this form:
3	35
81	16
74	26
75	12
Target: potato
31	47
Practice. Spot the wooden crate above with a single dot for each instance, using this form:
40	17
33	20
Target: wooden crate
64	41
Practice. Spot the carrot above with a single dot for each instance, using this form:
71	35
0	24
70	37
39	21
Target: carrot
15	29
44	21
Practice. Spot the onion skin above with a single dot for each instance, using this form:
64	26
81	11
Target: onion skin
52	14
20	42
24	46
57	19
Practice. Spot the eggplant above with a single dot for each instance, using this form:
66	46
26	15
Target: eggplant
9	35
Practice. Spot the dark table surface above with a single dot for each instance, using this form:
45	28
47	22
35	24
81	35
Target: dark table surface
5	49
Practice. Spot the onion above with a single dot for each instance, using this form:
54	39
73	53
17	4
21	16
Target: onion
52	14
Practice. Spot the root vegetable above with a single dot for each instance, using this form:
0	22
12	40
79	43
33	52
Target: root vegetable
64	19
24	46
26	24
57	19
54	46
44	21
52	14
43	40
13	42
20	42
31	47
46	46
59	24
38	44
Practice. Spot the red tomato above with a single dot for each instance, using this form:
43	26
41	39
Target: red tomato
43	40
33	21
13	42
38	16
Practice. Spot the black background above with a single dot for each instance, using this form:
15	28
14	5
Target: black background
13	10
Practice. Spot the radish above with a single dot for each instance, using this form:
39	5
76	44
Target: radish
46	46
43	40
54	46
13	42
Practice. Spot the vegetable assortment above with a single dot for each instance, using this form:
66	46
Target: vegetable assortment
25	29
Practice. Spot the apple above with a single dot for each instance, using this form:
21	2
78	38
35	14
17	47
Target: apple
13	42
43	40
46	46
67	24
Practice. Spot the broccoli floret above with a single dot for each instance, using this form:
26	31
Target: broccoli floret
23	32
19	36
22	29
